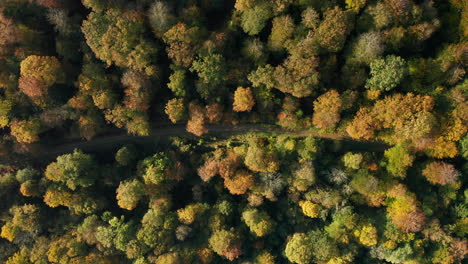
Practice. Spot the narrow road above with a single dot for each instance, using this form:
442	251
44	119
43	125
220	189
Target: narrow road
47	151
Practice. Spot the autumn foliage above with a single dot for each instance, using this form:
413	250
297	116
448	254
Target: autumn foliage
407	115
243	100
438	172
327	109
197	120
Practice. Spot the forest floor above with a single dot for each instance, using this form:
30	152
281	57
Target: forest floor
48	150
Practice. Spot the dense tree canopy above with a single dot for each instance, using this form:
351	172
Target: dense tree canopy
386	73
241	131
118	38
74	170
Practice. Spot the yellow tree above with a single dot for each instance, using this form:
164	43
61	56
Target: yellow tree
327	109
46	69
176	110
26	131
243	99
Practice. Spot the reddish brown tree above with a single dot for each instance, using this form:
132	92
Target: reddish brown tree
229	164
214	113
138	93
442	173
208	170
407	115
49	3
240	183
32	87
196	123
9	33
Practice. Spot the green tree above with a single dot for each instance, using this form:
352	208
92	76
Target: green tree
74	170
367	185
94	81
27	174
129	193
265	257
400	254
226	244
176	110
118	38
157	230
399	160
20	257
263	76
126	155
155	169
136	122
299	249
313	247
116	233
259	222
6	106
178	82
386	73
96	5
283	29
25	218
211	70
344	222
260	159
254	19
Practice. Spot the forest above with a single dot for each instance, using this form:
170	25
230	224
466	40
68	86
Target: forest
233	131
